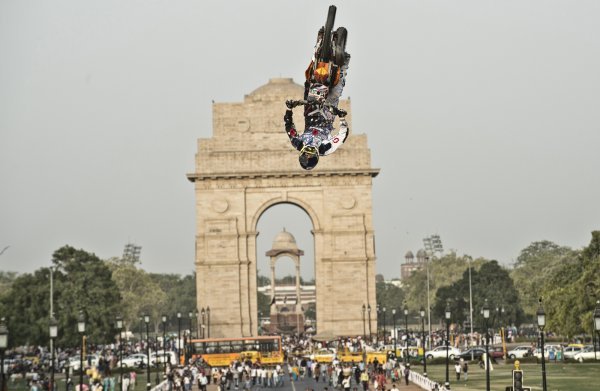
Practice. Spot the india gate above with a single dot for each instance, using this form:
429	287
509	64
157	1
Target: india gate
248	166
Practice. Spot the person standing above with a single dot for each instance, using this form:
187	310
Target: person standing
406	373
458	370
466	370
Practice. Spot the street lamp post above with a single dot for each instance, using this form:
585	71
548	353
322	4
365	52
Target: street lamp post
196	318
119	326
202	313
208	320
178	337
164	342
395	333
471	310
53	331
448	315
81	330
541	321
486	317
369	312
597	324
378	321
384	333
364	309
422	313
3	346
147	321
156	378
189	344
406	331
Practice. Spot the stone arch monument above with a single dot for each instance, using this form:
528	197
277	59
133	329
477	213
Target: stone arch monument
249	166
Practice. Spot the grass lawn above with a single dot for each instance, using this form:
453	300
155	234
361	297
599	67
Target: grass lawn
561	376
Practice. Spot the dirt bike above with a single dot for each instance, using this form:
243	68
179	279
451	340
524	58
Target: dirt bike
330	53
293	103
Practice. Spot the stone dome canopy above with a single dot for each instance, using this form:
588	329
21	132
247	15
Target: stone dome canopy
277	89
284	243
409	255
421	254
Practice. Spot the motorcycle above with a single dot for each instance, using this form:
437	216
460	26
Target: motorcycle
330	53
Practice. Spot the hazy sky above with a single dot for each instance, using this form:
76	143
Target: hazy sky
483	117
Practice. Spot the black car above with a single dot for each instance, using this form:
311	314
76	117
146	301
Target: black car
466	355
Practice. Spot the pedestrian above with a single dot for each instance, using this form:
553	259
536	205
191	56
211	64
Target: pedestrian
346	383
394	387
466	370
406	373
458	370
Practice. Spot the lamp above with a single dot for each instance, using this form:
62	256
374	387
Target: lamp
81	329
406	331
164	341
53	331
3	346
119	326
541	321
147	322
486	315
448	316
422	314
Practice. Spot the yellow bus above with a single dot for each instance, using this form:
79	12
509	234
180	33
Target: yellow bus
221	352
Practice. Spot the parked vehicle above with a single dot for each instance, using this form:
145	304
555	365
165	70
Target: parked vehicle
570	351
587	354
440	352
477	354
133	361
161	357
519	352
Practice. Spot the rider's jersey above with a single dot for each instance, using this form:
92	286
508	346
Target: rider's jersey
319	138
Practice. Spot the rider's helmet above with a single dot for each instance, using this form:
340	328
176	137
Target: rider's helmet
317	92
309	157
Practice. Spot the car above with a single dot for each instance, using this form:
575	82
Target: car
162	356
440	352
133	360
519	352
477	353
90	360
571	351
587	354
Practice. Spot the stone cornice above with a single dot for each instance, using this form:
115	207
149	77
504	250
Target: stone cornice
373	172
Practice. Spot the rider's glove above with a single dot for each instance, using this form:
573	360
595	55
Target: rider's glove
340	113
291	103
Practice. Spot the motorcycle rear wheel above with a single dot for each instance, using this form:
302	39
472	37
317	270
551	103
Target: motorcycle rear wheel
340	46
326	48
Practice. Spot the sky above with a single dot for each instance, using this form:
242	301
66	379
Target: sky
483	117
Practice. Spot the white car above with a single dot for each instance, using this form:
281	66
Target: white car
163	357
73	361
587	354
133	361
440	352
571	351
519	352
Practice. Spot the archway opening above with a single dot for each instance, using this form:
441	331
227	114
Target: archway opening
285	242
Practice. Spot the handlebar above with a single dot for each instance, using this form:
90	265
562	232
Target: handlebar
339	112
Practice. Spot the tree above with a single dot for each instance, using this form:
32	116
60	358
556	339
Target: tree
570	294
535	265
389	296
139	293
81	282
491	285
180	296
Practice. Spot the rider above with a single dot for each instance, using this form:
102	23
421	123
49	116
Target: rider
319	112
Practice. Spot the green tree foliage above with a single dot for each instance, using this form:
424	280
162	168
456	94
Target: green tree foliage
81	281
570	294
389	296
264	304
491	286
180	295
140	294
535	265
443	271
